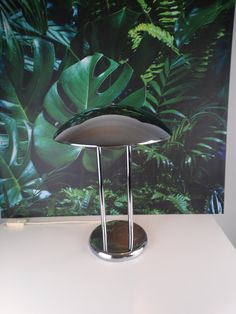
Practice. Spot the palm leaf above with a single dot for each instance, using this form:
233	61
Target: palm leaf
62	34
152	153
35	13
169	89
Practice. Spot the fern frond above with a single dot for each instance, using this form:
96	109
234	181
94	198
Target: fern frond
168	13
136	35
146	9
170	81
180	202
207	55
86	200
154	69
152	153
177	134
170	88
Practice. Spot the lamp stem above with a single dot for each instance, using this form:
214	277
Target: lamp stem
102	199
130	197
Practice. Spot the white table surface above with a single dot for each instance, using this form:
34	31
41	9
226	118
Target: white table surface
188	267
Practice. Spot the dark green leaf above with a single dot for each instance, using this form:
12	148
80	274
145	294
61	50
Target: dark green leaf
17	171
136	99
43	64
13	54
54	154
113	28
35	13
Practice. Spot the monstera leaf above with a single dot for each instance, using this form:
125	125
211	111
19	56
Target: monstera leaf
79	88
93	82
53	154
17	173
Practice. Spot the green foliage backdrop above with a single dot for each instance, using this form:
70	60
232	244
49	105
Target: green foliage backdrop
60	58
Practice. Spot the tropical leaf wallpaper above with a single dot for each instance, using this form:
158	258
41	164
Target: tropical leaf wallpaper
59	58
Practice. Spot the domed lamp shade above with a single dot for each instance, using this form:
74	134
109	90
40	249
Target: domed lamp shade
114	126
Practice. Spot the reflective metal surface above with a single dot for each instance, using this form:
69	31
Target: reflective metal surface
130	248
102	199
118	241
113	126
130	196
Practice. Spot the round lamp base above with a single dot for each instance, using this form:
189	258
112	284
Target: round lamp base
117	241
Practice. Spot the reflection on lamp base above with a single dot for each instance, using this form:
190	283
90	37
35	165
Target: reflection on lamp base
117	241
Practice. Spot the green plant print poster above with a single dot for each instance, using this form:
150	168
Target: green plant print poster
59	58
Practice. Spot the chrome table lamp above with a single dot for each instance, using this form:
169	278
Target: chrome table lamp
114	126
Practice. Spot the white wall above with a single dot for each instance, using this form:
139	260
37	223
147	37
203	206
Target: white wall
228	220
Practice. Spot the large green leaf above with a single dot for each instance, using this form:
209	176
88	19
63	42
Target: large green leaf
136	99
28	97
17	173
79	87
54	154
43	64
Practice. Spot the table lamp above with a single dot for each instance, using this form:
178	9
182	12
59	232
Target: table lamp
114	126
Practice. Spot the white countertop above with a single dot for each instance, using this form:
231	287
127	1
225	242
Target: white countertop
188	267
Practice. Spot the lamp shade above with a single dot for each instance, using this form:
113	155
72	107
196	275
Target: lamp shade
113	126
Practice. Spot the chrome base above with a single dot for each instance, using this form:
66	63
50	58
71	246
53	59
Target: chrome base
118	241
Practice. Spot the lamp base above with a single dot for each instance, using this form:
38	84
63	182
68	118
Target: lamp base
117	241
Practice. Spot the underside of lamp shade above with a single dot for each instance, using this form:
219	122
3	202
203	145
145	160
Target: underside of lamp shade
113	126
